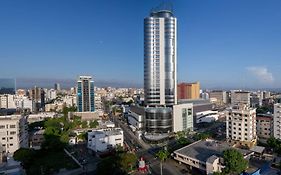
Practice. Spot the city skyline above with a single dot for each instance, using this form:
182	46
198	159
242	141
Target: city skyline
217	46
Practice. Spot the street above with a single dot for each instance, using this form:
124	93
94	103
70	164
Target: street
170	167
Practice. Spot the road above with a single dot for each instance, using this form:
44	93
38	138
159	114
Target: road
169	167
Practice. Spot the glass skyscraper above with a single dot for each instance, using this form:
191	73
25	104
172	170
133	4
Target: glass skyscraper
160	58
85	94
7	86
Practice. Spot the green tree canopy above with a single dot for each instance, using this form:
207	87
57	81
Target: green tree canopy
127	161
234	161
94	124
162	155
24	155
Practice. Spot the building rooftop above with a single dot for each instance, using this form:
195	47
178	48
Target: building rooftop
196	102
10	117
111	131
204	149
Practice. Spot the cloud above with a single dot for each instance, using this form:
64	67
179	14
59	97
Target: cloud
261	73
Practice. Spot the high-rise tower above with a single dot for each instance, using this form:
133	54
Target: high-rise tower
85	94
160	58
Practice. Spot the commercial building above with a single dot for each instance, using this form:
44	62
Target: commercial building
136	117
103	140
158	120
277	121
57	87
7	86
205	155
160	58
85	94
240	97
188	90
264	126
241	125
13	132
221	97
183	117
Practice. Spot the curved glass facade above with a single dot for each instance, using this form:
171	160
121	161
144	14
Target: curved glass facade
160	59
158	120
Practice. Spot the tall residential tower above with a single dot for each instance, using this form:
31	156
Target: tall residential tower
85	94
160	58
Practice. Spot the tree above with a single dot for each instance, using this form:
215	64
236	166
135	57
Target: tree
84	124
162	155
94	124
24	155
83	136
234	161
127	161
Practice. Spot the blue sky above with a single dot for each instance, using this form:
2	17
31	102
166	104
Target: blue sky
233	43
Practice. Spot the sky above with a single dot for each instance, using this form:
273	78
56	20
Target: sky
221	44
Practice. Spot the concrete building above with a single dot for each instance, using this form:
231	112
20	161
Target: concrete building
23	102
207	116
136	117
220	96
7	101
277	121
13	133
183	117
188	90
57	87
238	97
36	139
3	102
85	94
160	58
103	140
51	94
205	155
264	126
241	125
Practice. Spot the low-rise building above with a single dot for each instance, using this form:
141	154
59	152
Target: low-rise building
136	116
13	132
207	116
205	155
103	140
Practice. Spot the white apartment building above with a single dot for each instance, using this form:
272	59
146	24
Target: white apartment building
13	132
7	101
240	97
136	117
241	125
277	121
51	94
103	140
183	117
23	102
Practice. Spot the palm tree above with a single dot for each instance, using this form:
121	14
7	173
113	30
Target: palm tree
162	155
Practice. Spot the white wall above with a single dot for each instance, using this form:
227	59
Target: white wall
178	121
